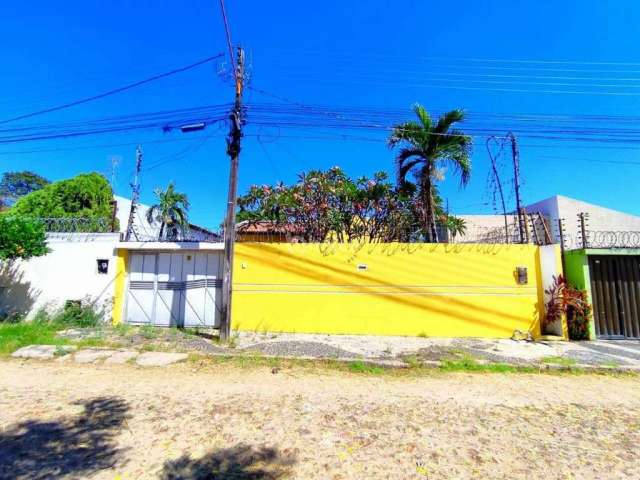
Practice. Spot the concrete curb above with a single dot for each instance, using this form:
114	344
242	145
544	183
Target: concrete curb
372	362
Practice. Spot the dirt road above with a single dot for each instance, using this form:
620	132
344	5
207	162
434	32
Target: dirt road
196	422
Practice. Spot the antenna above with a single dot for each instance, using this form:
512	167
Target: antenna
115	161
135	196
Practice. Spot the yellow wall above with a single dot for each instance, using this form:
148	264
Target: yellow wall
408	289
119	286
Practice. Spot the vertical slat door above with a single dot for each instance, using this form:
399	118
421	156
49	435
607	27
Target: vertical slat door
630	290
615	289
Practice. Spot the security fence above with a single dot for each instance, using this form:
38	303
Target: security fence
586	237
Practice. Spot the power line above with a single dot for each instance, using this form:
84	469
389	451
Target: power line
531	61
113	91
463	87
227	32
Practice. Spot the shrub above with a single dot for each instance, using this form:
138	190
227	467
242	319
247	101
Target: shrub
564	299
87	196
578	320
78	313
21	237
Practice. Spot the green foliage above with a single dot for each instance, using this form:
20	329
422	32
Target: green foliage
578	318
42	330
21	237
18	184
362	367
426	147
77	313
328	205
38	332
454	225
170	212
87	196
564	299
555	360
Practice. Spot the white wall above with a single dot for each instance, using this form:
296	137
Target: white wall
68	272
487	228
600	218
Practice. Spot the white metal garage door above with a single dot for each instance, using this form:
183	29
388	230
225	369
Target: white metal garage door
174	289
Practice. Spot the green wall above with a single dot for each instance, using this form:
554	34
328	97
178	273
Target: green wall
576	271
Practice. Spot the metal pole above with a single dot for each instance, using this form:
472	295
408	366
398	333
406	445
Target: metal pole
516	182
233	150
562	247
583	229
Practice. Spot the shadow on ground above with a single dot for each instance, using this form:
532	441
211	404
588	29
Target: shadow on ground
76	446
241	462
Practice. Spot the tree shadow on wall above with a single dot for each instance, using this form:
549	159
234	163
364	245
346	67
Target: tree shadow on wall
17	296
75	446
241	462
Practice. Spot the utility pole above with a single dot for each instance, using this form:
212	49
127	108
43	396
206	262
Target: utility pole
233	150
516	182
135	196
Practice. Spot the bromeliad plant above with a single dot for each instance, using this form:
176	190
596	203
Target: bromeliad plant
564	299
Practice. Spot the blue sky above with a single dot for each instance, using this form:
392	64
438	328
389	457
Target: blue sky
379	54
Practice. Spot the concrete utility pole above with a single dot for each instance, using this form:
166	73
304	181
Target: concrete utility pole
233	150
135	196
516	182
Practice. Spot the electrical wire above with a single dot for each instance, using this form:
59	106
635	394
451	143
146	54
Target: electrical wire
112	91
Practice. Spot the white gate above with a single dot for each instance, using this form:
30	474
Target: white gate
174	289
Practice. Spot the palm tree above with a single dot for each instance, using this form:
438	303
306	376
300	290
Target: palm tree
455	226
170	212
425	148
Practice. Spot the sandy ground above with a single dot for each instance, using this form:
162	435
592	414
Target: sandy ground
197	421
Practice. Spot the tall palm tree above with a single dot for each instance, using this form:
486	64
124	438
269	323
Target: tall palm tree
170	212
427	146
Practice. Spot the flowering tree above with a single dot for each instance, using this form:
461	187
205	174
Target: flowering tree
328	205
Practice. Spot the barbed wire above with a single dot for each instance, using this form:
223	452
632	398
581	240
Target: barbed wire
76	225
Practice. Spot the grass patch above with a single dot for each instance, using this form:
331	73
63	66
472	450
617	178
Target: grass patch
149	332
416	370
362	367
17	335
610	364
564	361
470	364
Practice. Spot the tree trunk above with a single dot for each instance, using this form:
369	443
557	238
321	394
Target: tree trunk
427	198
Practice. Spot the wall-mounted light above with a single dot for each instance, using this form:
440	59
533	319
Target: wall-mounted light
103	266
522	276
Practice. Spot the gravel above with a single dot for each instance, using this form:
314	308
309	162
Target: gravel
300	349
